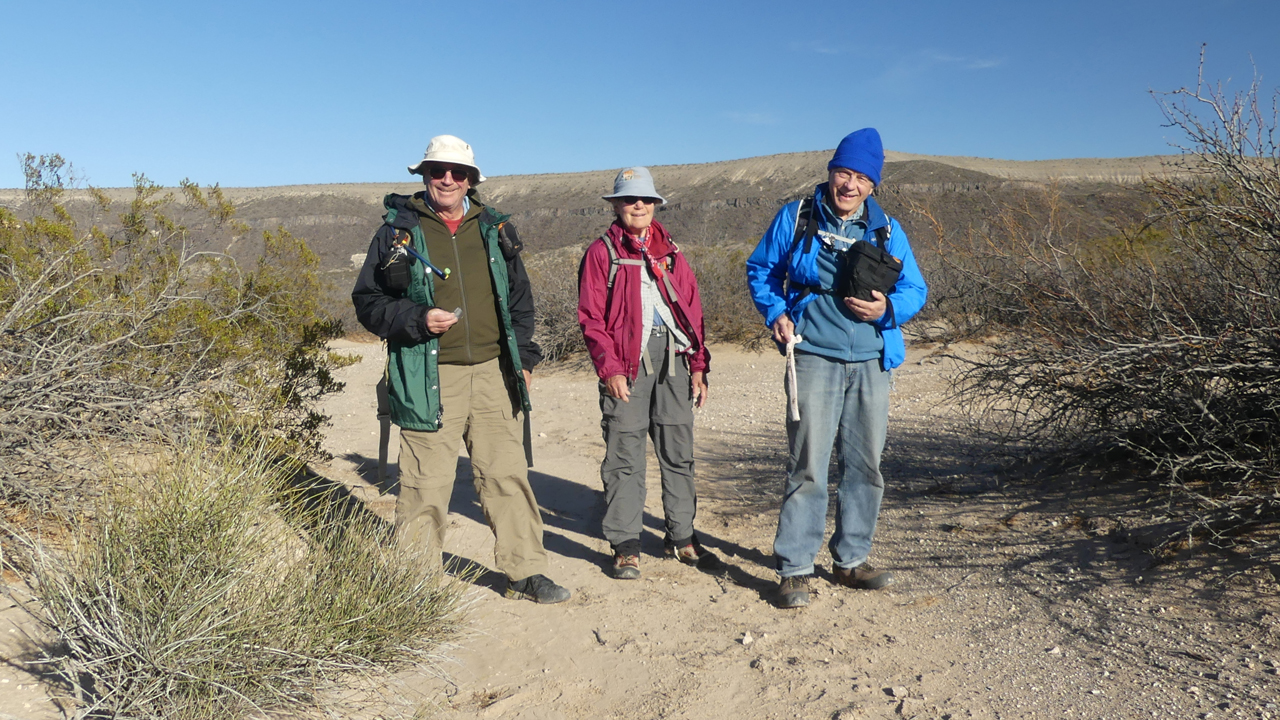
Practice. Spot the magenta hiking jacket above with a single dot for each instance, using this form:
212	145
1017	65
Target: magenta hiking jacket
610	318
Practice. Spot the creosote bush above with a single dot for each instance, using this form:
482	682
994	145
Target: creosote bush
208	585
122	322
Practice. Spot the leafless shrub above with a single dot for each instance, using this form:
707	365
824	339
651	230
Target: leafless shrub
554	278
1161	345
727	310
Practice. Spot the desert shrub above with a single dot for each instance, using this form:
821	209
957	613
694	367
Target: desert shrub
207	586
727	309
980	276
1161	346
553	275
126	323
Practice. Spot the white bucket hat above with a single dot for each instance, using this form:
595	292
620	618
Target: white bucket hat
448	149
634	181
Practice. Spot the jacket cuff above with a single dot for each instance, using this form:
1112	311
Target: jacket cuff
421	321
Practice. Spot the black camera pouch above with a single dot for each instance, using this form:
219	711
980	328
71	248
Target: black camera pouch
865	267
396	275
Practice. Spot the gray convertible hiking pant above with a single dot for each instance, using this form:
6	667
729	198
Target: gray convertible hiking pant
661	406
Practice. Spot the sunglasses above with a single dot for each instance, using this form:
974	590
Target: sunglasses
632	199
437	173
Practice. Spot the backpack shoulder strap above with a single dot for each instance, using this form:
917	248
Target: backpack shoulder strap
805	229
615	261
882	237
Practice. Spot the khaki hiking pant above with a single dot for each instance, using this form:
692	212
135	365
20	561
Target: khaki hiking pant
477	411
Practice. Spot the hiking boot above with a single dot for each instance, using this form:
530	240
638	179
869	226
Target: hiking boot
626	567
537	588
862	577
793	592
695	555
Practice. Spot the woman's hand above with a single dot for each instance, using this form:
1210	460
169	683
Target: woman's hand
616	386
699	380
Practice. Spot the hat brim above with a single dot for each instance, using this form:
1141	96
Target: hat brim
417	169
659	198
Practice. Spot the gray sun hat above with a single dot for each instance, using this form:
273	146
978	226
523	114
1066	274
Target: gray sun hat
634	181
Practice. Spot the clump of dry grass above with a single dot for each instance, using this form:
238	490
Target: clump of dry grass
207	587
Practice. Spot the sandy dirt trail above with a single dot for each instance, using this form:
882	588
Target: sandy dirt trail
1008	602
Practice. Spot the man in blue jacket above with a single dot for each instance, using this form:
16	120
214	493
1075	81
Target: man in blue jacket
844	352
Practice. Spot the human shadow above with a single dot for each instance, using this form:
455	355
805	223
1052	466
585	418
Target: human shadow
366	468
316	501
570	508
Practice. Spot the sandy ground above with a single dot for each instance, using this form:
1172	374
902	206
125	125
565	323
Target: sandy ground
1010	602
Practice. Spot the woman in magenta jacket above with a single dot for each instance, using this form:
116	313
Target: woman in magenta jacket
641	317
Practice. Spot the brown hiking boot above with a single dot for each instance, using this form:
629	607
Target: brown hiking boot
695	555
626	567
862	577
793	592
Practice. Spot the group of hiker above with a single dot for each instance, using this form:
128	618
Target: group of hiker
833	277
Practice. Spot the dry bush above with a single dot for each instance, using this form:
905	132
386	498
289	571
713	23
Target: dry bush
210	587
727	310
1161	346
553	275
130	324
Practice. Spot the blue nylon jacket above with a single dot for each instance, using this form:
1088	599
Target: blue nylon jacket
773	262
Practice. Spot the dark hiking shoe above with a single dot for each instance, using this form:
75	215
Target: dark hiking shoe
537	588
695	555
793	592
863	577
626	567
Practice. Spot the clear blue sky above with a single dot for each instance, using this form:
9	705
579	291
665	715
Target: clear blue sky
244	92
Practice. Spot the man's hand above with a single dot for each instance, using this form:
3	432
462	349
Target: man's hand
528	378
616	386
783	329
440	320
864	310
699	380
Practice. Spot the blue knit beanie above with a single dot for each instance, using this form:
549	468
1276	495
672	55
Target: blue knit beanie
862	152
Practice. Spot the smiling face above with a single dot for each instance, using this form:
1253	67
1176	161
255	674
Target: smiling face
847	190
634	213
447	192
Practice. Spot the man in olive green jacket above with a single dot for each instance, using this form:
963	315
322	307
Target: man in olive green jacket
459	353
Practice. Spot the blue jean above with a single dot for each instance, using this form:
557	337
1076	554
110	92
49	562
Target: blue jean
848	401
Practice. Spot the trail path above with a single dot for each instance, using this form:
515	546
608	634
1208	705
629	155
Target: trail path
1009	603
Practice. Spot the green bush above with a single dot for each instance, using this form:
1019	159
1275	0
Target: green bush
130	324
206	585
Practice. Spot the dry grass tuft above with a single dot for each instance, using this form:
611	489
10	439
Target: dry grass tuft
209	587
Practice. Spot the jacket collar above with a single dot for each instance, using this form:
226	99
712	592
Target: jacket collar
404	211
660	244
